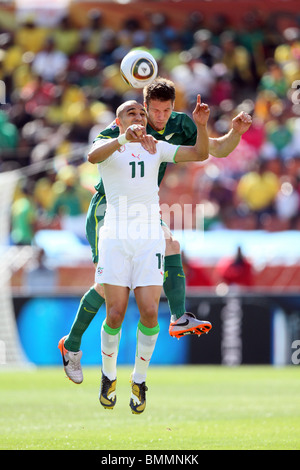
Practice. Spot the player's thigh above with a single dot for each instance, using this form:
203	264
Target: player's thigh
94	221
116	304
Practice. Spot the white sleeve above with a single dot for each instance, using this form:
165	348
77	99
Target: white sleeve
98	143
167	151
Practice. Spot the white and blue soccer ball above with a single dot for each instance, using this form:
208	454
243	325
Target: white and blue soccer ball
138	68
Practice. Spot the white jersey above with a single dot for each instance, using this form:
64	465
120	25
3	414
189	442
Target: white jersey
130	178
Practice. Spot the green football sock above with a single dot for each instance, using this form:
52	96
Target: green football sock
174	285
88	307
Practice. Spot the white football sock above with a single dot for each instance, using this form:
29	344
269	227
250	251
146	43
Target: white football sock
109	350
146	340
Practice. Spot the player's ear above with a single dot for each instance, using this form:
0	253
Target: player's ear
117	120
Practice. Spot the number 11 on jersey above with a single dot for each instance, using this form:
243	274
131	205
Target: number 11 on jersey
133	169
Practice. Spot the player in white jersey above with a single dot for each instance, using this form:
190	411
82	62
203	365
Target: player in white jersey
132	243
132	217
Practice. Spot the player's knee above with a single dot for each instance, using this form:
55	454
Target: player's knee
115	316
149	315
172	247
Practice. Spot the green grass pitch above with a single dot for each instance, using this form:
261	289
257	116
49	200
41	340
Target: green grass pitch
188	408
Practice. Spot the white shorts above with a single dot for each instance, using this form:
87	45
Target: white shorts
130	263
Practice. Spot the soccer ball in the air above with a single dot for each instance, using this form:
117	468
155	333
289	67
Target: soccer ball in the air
138	68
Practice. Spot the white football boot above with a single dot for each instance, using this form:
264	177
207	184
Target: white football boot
71	362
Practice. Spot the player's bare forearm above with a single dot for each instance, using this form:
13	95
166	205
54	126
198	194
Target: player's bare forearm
101	153
221	147
202	143
201	116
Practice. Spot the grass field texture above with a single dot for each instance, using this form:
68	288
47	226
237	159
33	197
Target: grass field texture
188	408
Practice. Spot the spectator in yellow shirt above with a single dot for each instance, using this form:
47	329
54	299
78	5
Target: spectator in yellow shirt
258	190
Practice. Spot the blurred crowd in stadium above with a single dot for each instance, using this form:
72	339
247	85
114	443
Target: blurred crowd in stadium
63	86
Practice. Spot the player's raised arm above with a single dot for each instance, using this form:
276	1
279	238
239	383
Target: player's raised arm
221	147
200	151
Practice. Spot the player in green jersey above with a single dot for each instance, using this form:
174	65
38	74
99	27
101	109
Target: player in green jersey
177	128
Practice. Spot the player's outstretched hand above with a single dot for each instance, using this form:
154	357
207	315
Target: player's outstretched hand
201	112
241	122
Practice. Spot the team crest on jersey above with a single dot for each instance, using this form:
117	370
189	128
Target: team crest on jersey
100	270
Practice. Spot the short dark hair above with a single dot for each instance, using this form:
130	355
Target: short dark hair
160	89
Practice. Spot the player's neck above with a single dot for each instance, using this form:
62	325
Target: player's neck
159	131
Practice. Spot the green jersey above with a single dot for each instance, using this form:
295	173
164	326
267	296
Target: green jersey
180	130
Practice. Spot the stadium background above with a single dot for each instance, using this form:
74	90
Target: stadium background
251	63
